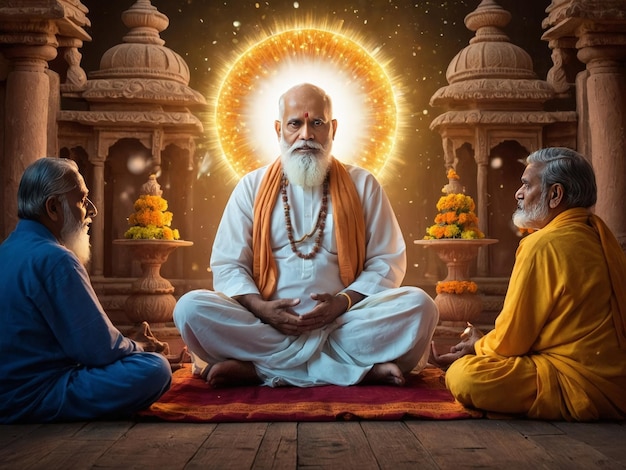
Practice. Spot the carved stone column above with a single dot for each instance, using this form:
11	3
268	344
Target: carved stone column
481	157
29	38
606	100
26	124
97	238
597	30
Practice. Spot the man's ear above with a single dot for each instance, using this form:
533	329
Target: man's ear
277	128
334	124
53	208
556	195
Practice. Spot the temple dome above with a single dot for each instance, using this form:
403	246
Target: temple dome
490	53
142	69
490	60
143	52
491	71
145	60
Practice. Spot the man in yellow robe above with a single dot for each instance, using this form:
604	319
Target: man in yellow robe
558	349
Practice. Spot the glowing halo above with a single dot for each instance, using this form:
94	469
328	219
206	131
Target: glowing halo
364	103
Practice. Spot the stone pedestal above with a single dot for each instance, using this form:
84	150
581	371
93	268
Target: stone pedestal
455	310
151	299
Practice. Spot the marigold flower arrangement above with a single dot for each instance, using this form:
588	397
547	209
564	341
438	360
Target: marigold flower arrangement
151	219
456	287
456	217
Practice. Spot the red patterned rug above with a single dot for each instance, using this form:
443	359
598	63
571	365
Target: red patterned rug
425	396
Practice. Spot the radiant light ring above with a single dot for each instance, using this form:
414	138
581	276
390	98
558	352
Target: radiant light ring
262	60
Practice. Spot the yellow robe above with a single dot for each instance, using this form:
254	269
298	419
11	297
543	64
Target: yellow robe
555	350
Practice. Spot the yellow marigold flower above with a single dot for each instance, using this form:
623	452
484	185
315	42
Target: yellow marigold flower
472	234
452	231
168	234
445	203
167	218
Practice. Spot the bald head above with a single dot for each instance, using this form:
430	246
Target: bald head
305	93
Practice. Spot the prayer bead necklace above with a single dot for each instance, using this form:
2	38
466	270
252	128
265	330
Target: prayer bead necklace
319	226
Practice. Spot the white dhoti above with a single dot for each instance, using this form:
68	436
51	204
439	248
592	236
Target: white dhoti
395	325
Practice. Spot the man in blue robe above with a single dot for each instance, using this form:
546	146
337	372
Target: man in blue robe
61	358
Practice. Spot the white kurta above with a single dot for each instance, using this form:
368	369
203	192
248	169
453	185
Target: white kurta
390	324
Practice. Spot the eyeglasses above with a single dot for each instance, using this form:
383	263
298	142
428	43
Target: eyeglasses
90	207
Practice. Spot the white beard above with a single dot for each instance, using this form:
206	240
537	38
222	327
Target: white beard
308	169
75	236
532	218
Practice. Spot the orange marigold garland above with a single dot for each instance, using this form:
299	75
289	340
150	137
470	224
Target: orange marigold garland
456	287
151	219
451	174
456	217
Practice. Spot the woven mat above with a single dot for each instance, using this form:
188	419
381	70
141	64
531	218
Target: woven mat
424	396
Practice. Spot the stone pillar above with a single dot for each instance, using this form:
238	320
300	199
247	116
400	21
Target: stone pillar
97	229
26	123
605	56
481	156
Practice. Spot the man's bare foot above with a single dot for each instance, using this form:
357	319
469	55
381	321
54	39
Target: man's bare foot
231	373
386	373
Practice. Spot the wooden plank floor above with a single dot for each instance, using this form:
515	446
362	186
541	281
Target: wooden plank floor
364	445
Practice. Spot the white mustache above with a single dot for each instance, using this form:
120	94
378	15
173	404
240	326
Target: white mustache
305	145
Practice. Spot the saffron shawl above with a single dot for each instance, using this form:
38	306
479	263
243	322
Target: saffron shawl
616	262
348	219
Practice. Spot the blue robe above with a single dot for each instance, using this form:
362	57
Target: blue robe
61	358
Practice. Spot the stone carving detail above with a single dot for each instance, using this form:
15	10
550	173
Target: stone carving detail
148	117
596	10
70	10
556	75
29	37
490	89
76	76
473	117
142	89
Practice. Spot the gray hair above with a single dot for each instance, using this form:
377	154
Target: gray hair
42	179
571	170
328	104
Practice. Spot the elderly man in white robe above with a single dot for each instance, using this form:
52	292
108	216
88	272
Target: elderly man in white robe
307	265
